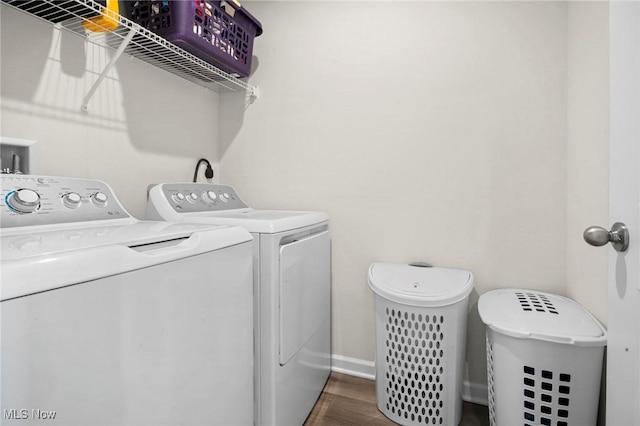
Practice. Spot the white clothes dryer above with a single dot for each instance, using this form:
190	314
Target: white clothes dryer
292	286
107	320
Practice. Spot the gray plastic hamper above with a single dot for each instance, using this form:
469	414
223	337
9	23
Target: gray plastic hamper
544	359
421	325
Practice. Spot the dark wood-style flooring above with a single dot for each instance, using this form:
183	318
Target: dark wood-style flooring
348	400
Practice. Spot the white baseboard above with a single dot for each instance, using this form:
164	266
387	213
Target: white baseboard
353	367
471	392
475	392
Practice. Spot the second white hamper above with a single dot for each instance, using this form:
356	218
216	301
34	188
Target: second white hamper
544	359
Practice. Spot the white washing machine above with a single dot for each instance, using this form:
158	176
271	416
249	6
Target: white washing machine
107	320
292	279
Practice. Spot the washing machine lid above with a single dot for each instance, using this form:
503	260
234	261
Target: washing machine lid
420	286
41	260
542	316
260	221
40	242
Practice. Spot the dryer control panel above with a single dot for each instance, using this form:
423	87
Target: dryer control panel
28	200
196	197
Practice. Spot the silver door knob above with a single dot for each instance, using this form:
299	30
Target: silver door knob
618	236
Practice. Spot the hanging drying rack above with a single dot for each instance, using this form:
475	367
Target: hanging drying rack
132	39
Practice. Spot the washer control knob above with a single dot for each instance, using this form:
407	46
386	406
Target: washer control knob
224	197
209	197
178	197
192	197
71	200
24	200
99	199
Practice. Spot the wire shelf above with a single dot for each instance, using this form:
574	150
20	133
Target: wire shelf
138	41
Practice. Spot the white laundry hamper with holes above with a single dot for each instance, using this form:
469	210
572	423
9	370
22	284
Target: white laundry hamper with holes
544	359
421	328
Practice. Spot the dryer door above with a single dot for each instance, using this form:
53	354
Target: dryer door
304	291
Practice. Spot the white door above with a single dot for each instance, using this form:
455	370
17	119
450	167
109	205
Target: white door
623	355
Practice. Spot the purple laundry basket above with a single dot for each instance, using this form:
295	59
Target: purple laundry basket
218	32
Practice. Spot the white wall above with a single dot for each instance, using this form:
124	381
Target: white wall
428	131
144	125
588	152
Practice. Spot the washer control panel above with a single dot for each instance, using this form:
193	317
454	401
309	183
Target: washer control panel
28	200
201	197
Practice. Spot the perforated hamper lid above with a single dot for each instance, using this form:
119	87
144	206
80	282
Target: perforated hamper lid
419	286
542	316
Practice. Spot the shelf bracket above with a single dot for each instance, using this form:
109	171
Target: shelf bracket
254	93
112	62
